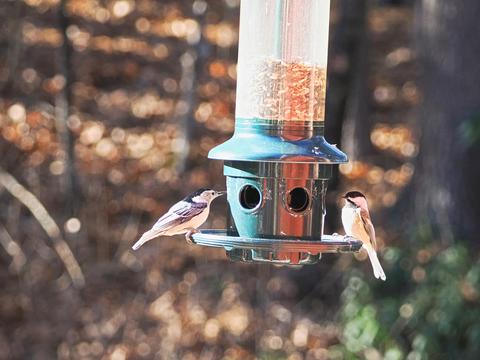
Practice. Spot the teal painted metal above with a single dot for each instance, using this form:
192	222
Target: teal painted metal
246	220
261	140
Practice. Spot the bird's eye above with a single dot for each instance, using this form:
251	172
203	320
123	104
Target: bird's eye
213	193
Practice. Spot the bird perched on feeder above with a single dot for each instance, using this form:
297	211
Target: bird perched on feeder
357	223
182	218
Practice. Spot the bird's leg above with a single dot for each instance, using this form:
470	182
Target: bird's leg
188	236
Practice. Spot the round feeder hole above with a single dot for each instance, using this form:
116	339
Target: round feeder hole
298	200
250	197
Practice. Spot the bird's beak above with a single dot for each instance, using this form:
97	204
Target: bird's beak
220	193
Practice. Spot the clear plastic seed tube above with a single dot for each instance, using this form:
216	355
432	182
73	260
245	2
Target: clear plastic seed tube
282	61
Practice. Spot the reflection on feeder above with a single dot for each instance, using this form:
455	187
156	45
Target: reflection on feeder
287	251
278	163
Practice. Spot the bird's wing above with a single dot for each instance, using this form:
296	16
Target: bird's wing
368	225
178	214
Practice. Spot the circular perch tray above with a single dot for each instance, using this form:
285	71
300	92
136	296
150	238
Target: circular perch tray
275	250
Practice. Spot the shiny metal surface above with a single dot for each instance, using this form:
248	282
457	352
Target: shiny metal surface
277	170
273	217
291	251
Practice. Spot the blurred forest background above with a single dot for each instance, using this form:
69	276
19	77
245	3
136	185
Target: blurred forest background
108	109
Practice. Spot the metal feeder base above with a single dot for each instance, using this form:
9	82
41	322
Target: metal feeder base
276	251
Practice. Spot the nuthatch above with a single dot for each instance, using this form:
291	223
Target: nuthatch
183	217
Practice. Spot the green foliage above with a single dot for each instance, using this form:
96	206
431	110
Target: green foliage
427	309
470	130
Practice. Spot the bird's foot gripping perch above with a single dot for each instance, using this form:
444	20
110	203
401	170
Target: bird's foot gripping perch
189	236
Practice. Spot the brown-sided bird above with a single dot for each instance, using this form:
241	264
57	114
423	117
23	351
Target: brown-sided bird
358	224
183	217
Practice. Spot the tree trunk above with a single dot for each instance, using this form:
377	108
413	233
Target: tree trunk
347	94
346	97
446	189
62	112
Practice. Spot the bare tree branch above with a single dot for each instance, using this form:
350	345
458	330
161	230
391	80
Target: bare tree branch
30	201
13	249
192	63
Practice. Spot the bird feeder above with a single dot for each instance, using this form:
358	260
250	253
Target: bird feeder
278	163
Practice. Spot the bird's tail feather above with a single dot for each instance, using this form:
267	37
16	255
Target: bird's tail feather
377	268
147	236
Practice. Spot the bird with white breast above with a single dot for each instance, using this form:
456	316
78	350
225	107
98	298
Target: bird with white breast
182	218
358	224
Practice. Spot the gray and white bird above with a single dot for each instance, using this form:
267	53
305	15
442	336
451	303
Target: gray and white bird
358	224
183	217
